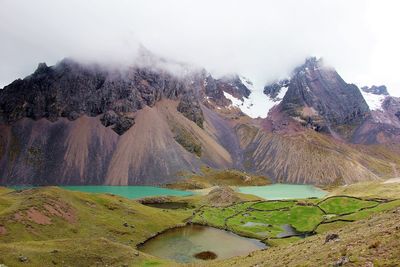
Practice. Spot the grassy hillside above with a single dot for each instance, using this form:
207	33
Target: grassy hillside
369	189
92	225
75	252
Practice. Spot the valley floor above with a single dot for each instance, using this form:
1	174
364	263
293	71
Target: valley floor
54	227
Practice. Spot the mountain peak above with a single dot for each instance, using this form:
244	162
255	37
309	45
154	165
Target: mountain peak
311	63
376	90
319	98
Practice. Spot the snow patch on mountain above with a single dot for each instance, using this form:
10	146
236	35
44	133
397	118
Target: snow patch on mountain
281	94
257	105
374	101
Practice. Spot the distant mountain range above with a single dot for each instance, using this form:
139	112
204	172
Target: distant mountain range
76	123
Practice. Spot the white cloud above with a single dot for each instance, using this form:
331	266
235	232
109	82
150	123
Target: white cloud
259	39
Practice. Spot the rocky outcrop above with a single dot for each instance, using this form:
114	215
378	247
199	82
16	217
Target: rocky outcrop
234	86
119	123
222	196
189	106
376	90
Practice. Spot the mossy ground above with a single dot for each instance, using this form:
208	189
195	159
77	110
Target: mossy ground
374	241
265	219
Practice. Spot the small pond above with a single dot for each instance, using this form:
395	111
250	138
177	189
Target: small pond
283	191
169	205
289	231
198	243
124	191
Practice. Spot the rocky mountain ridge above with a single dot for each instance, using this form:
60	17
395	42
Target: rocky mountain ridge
76	123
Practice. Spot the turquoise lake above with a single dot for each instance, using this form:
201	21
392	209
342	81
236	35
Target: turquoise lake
124	191
270	192
283	191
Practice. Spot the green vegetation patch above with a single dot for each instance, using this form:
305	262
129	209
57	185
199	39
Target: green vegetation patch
342	205
277	219
218	216
273	205
261	223
186	139
368	212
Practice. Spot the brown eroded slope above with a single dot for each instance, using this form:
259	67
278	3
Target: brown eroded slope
310	157
149	153
63	152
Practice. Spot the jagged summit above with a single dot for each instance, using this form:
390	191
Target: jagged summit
311	63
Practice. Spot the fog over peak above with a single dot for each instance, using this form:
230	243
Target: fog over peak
262	40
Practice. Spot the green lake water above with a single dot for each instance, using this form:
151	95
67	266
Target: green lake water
124	191
183	243
283	191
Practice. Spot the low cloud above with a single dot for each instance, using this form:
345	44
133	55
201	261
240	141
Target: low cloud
263	40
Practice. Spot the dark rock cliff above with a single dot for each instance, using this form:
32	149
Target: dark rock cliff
71	90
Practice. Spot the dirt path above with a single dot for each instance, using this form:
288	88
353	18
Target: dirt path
395	173
396	178
392	180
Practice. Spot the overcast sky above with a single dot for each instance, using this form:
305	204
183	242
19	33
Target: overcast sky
263	40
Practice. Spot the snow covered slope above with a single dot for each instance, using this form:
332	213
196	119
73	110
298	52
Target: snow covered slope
374	101
257	105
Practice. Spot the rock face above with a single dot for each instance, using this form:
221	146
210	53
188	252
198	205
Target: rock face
189	106
272	90
319	98
76	123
